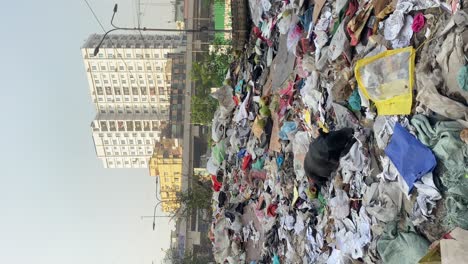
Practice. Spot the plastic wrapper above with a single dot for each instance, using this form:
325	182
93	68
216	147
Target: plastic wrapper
387	79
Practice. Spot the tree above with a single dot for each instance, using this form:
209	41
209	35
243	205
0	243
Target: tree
208	73
189	257
203	108
198	197
211	70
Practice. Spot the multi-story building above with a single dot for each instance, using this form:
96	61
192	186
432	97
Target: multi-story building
129	81
178	94
166	163
124	141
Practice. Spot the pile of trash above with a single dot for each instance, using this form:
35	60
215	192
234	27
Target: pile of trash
342	134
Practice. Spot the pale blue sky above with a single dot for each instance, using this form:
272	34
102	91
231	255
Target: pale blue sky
58	205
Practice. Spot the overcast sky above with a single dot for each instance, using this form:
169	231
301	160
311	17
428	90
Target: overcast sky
58	204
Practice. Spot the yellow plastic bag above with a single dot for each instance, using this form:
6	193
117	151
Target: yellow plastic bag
387	79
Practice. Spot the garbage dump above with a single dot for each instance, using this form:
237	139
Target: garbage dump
341	135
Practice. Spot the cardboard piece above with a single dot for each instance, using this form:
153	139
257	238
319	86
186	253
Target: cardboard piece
449	250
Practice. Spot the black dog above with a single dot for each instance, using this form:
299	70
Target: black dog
324	154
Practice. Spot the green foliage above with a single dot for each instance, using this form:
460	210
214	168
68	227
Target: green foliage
211	70
188	258
203	108
208	73
198	197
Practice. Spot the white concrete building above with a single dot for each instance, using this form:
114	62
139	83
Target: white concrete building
125	141
129	81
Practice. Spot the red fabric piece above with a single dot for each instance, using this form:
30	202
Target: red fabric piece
246	162
418	22
216	184
271	210
236	100
352	8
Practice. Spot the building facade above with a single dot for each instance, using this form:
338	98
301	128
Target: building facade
178	94
166	163
129	82
124	141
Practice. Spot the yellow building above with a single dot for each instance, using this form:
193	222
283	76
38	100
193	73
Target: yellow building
166	163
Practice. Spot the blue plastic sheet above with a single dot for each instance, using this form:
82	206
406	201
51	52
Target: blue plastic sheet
288	127
239	85
279	161
411	158
355	100
276	259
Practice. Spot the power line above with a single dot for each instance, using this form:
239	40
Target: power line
94	14
116	51
132	75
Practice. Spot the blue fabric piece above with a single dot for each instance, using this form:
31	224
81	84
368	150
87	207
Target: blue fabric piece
288	127
462	78
306	19
411	158
355	100
300	84
241	153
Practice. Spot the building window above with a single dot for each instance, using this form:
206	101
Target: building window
94	68
108	90
99	90
126	91
134	90
121	68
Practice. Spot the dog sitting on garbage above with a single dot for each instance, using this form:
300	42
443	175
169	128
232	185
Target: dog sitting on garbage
325	152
